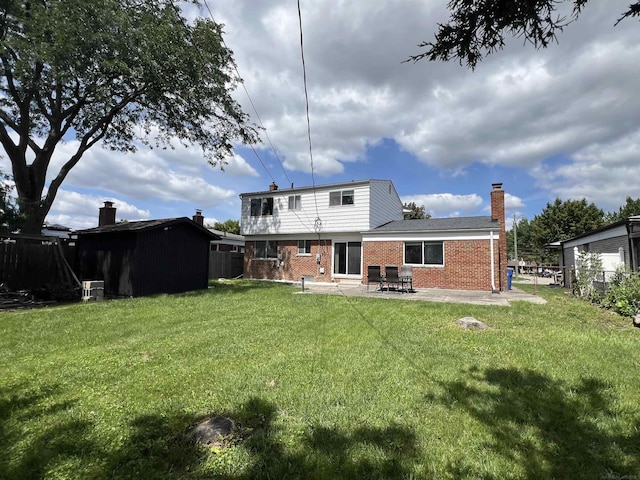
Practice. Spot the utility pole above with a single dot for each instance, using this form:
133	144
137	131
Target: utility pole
515	243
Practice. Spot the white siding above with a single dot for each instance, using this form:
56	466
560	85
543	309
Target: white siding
342	218
386	206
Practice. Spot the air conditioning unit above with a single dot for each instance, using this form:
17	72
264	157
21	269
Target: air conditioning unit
93	290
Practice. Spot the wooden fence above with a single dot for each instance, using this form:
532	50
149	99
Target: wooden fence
226	264
29	262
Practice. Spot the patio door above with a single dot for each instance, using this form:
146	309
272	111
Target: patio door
347	258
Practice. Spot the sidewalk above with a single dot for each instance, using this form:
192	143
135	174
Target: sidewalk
427	294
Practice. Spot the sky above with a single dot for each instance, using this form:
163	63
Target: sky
557	122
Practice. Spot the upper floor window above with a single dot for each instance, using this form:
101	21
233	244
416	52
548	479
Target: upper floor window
295	202
261	206
341	197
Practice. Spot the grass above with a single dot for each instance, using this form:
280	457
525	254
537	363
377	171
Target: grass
320	387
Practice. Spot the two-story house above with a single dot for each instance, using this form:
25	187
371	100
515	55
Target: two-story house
332	233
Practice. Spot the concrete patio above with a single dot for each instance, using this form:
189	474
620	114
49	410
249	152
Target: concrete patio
432	294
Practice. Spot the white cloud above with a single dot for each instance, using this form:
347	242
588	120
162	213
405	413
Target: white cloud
238	166
512	202
77	211
145	174
446	204
602	173
576	100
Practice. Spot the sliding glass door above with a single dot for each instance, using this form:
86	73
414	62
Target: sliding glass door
347	258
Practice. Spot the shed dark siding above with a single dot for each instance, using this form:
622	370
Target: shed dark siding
146	258
109	257
171	260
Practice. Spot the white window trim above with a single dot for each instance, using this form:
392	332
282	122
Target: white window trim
424	265
297	205
342	195
304	254
354	276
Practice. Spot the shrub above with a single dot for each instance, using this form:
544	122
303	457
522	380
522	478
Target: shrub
623	295
588	268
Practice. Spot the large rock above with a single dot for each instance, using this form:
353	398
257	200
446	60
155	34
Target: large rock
470	322
636	320
212	431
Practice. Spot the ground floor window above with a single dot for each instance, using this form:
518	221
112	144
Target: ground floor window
347	258
304	247
266	249
424	253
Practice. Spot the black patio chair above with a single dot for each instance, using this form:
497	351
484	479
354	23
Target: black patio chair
374	276
406	278
391	277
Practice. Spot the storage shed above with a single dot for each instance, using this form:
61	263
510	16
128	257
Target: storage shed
146	257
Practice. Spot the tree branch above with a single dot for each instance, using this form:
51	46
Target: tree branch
8	73
10	147
633	11
95	134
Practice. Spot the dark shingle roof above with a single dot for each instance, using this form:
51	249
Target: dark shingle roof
142	225
439	224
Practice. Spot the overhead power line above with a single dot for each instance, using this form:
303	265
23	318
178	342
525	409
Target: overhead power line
255	110
318	223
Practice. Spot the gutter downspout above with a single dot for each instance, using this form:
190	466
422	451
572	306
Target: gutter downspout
493	273
632	254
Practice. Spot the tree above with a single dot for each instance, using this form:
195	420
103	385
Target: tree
560	221
478	28
10	218
629	209
417	212
229	226
109	71
526	248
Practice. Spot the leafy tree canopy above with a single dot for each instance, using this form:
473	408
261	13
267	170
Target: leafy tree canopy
526	247
477	28
562	220
229	226
417	212
109	71
629	209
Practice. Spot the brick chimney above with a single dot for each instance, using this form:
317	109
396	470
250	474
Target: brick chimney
107	215
198	218
497	213
273	187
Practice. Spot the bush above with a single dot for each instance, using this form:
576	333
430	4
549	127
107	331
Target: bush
588	270
623	295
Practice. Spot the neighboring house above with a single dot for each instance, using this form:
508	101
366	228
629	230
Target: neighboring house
618	244
145	257
332	233
228	242
55	230
226	259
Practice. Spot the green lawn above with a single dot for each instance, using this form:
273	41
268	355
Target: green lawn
320	387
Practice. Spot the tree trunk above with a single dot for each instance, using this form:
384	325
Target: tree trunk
34	214
29	181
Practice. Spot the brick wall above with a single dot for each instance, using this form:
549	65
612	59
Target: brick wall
497	213
466	264
290	266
